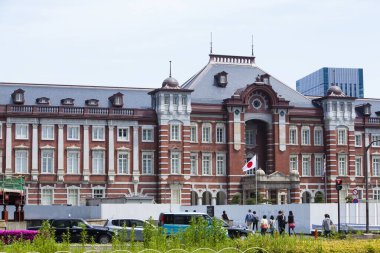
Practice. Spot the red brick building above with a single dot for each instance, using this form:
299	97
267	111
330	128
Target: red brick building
187	144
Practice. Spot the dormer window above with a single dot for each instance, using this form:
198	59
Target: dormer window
265	78
116	99
18	96
92	102
221	79
43	101
367	109
67	101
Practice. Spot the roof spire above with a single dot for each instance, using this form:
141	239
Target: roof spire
211	43
334	77
252	46
170	68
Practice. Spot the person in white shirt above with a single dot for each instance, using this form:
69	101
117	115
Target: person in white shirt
264	225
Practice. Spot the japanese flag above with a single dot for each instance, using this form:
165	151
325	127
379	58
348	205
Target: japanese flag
251	164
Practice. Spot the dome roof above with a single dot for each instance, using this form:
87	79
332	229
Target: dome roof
334	90
170	83
260	172
294	173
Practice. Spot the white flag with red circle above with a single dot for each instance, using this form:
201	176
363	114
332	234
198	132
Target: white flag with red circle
251	164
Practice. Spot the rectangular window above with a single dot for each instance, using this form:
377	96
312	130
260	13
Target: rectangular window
376	194
376	140
122	134
305	132
358	166
97	162
122	162
73	133
206	164
220	134
306	165
73	197
147	134
47	133
72	162
376	166
342	165
175	196
166	99
318	137
250	137
147	163
342	139
175	132
318	165
206	133
47	196
293	136
21	131
220	165
21	161
193	164
358	140
184	100
98	133
175	100
98	193
193	133
293	163
47	161
175	162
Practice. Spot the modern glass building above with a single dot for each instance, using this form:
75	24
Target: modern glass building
350	80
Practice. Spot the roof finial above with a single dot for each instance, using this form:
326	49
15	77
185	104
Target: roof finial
211	43
252	46
170	68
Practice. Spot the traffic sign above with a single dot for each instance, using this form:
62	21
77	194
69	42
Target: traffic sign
354	192
355	200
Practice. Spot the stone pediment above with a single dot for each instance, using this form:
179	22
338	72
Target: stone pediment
277	176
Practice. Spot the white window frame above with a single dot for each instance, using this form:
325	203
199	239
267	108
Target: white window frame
194	132
342	136
147	134
193	164
47	195
220	164
376	193
72	165
21	168
70	200
375	166
342	165
123	162
98	162
306	165
293	135
293	162
358	140
147	163
73	133
206	133
175	132
47	161
97	191
318	136
47	132
175	196
22	131
318	165
376	138
98	133
250	137
220	133
358	166
122	137
175	162
305	135
207	164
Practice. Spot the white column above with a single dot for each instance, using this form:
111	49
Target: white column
61	170
199	201
111	154
8	149
136	171
35	152
213	201
86	154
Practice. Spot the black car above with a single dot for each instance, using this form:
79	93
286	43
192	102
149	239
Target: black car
75	227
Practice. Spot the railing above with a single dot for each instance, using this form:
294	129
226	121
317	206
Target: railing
374	120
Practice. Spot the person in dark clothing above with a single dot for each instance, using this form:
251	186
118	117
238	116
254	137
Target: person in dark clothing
255	225
281	222
291	223
225	217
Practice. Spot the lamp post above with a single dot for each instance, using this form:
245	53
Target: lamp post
366	185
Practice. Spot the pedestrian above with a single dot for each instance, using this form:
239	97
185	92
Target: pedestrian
326	225
281	222
249	219
225	217
264	225
255	223
291	223
271	226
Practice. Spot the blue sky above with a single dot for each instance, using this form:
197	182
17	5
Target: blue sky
130	42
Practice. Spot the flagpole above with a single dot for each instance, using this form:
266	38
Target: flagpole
255	169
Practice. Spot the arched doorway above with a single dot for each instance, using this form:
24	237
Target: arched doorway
256	141
206	198
221	198
319	198
306	197
194	198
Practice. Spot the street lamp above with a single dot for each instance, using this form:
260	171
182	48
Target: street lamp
366	185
